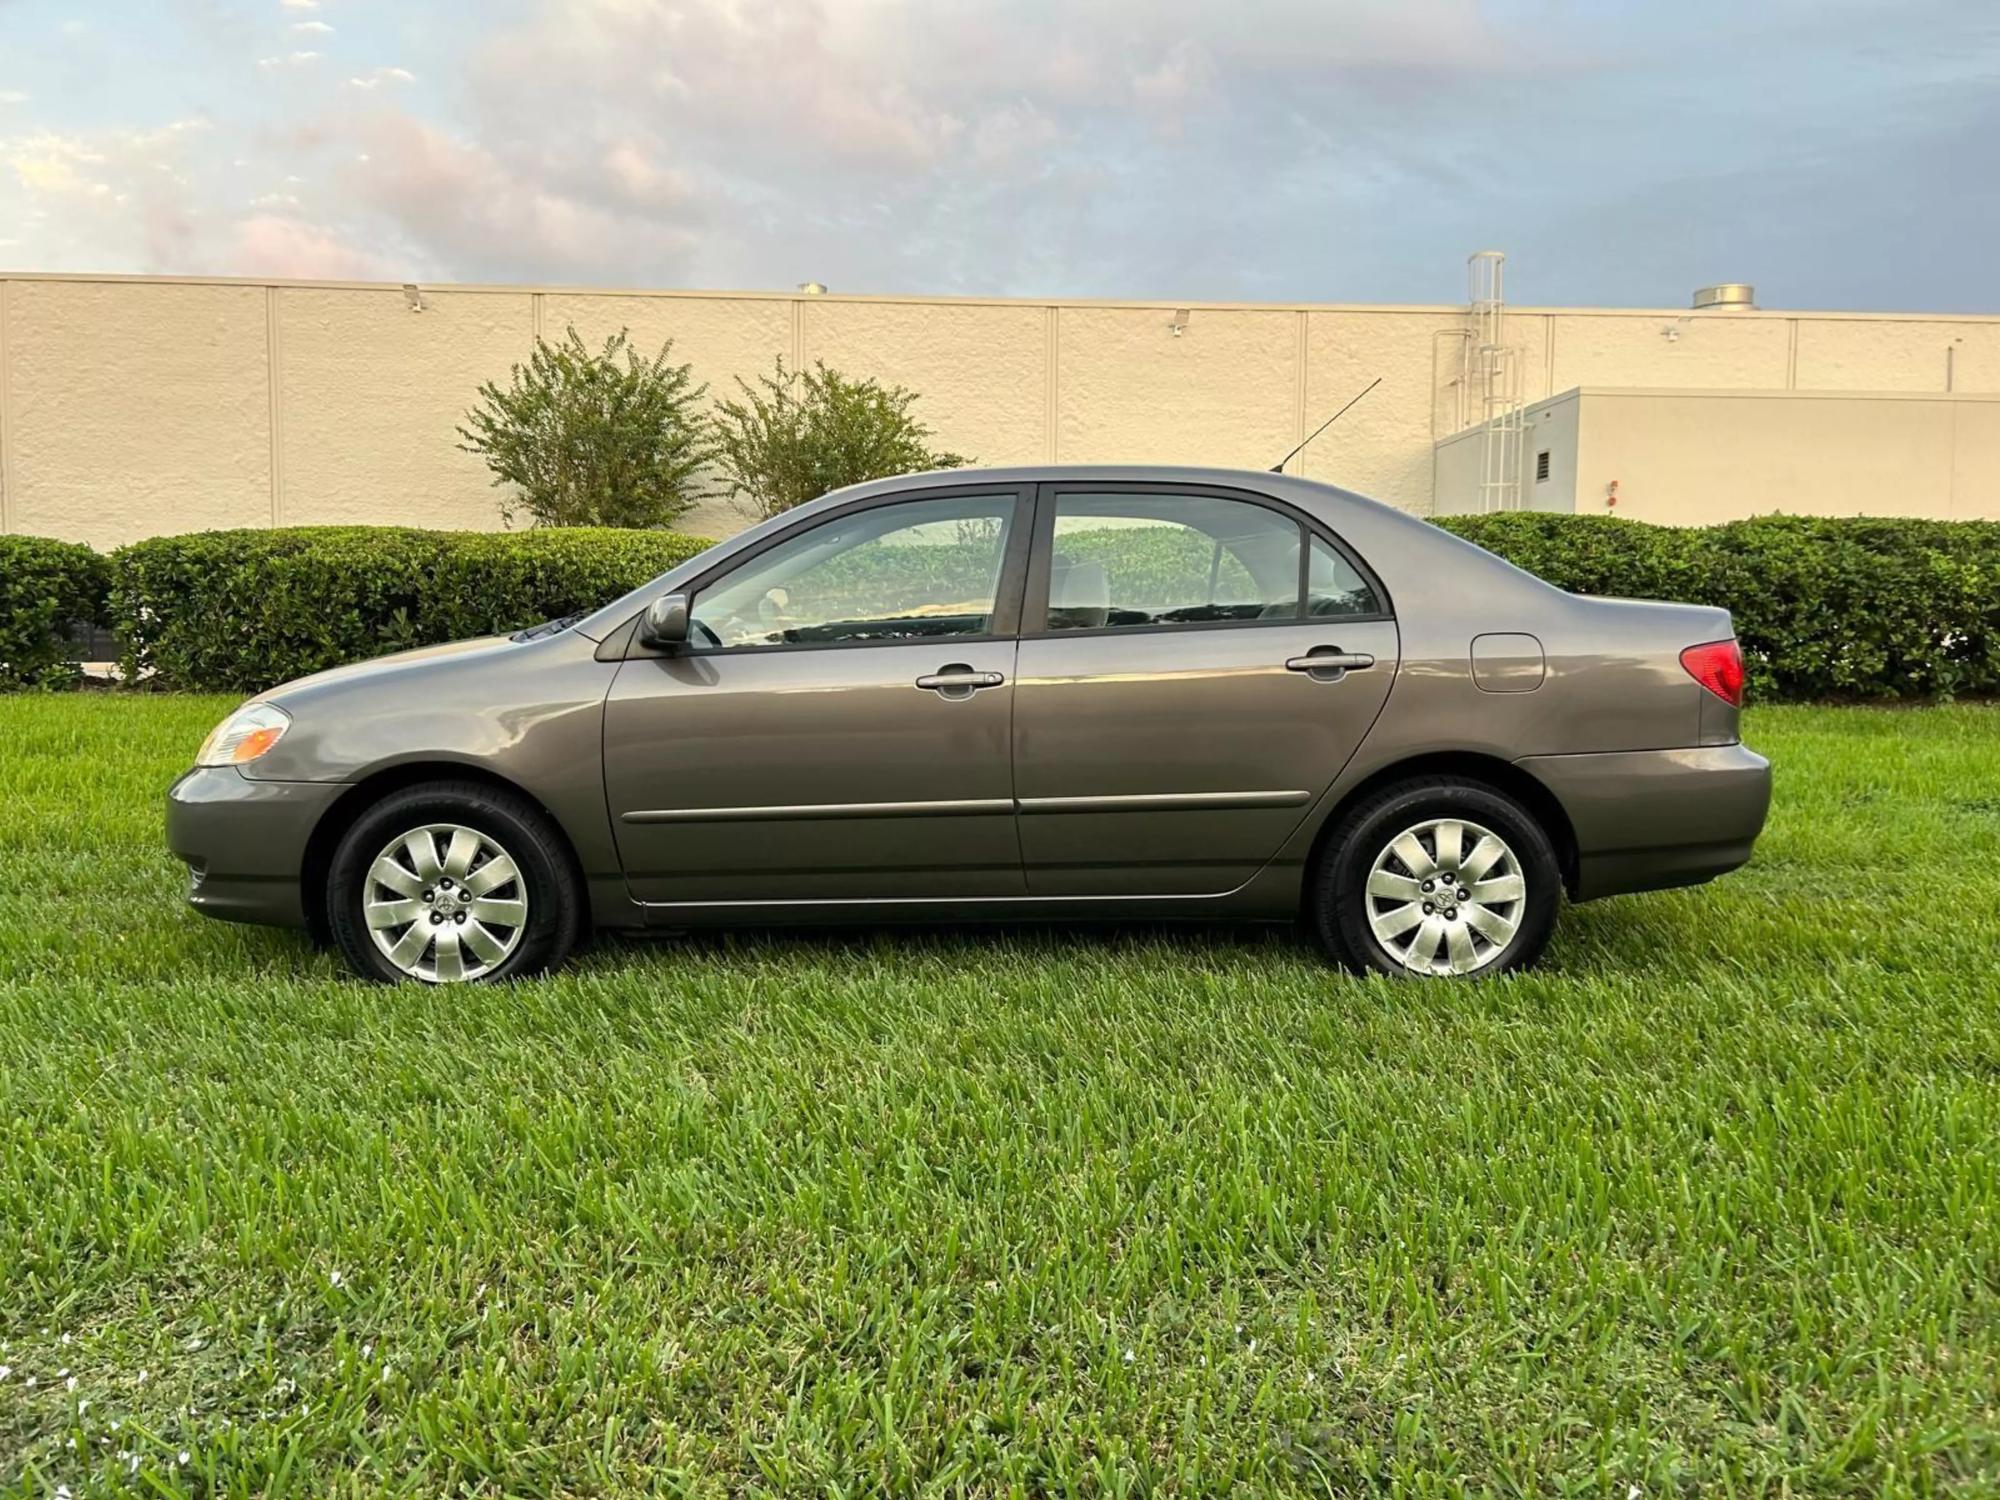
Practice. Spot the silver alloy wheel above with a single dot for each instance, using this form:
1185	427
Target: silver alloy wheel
444	903
1446	897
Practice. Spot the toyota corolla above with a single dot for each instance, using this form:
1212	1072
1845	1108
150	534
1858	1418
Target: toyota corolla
1020	693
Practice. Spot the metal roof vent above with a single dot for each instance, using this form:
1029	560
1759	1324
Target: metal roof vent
1737	296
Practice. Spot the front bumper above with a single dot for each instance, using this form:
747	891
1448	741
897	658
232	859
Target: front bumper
244	841
1647	819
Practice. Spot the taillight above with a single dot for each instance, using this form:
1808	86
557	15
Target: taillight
1717	666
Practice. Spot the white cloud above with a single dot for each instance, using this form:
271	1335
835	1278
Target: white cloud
13	96
465	204
280	244
1039	146
641	180
381	76
1013	136
1181	81
114	196
739	141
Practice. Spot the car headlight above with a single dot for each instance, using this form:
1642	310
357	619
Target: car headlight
246	734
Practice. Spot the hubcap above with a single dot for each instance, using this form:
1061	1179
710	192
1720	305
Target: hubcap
445	903
1446	897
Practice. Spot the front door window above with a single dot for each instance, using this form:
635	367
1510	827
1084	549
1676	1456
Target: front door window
914	570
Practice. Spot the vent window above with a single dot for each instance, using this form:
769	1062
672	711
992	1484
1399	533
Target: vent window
1542	467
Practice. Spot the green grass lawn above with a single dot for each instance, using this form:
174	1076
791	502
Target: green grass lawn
1706	1204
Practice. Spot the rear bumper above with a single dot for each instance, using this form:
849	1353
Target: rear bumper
244	842
1647	819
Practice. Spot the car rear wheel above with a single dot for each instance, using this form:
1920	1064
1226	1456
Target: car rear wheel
450	882
1436	878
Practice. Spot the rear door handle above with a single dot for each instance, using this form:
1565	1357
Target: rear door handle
957	681
1333	663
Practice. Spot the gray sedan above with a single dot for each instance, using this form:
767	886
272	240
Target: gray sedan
1013	693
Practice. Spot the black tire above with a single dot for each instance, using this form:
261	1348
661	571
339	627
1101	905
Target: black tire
1337	901
546	871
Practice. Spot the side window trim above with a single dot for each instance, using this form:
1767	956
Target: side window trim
1008	594
1034	616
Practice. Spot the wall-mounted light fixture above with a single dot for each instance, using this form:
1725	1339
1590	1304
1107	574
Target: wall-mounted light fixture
1178	325
414	296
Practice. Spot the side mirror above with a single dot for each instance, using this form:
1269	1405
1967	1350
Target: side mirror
666	622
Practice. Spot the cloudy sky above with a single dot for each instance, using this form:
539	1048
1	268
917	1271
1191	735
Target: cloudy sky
1838	153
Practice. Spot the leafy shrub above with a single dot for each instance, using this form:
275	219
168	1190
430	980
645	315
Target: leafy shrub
239	611
594	439
1826	607
1600	555
47	589
796	435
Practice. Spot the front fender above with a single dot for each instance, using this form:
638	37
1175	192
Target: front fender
530	713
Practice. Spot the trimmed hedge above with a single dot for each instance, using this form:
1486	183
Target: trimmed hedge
239	611
1826	607
47	589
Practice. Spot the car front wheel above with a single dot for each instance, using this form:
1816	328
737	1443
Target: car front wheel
1436	877
449	882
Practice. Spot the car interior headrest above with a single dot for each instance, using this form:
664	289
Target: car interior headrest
1082	591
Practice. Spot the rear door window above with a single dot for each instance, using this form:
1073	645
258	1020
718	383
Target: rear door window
1139	561
1335	587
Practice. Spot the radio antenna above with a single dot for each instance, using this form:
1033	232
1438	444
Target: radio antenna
1279	466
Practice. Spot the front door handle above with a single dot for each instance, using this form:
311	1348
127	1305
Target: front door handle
1330	663
957	681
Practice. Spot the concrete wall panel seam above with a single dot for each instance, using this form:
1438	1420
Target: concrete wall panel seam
272	361
6	448
1052	335
1951	468
1299	392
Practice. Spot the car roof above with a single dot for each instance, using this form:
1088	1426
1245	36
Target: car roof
1310	493
1109	473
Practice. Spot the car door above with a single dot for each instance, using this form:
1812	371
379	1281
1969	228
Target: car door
837	727
1196	666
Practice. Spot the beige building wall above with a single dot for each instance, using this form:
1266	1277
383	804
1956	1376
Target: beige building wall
1456	466
368	395
1555	428
1547	427
133	406
132	409
1723	350
1694	457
